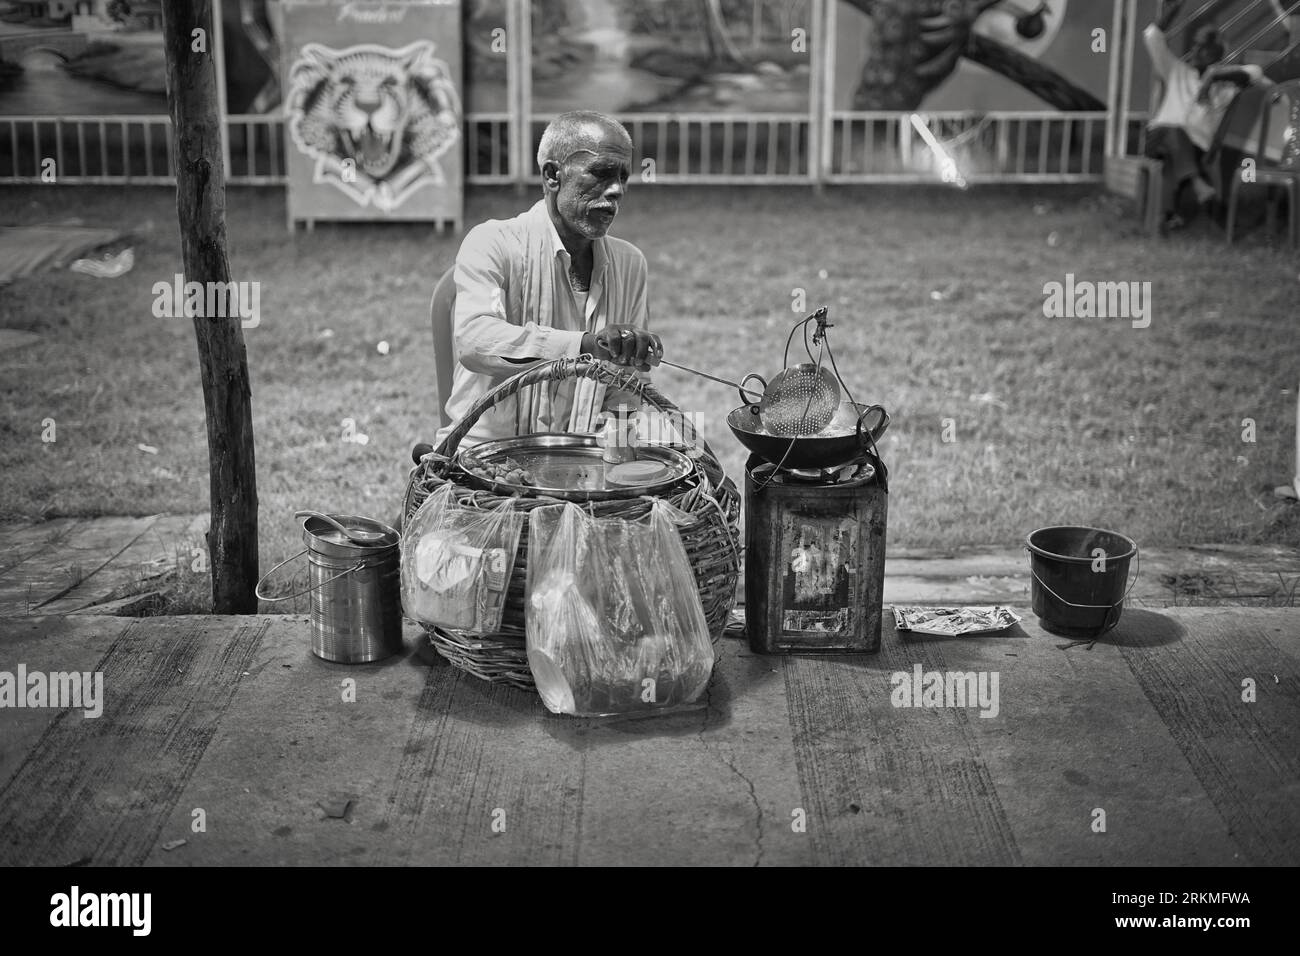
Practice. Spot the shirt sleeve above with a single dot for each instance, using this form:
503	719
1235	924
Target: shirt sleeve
1162	58
488	340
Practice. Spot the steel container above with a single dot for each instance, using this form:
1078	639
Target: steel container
355	590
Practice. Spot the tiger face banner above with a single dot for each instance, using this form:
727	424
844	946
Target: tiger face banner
373	114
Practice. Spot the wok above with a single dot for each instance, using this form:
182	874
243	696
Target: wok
842	441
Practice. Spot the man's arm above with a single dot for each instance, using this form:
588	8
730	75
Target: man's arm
1239	76
1157	44
486	341
1242	74
1162	58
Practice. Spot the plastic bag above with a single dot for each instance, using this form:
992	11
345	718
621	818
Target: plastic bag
457	562
614	623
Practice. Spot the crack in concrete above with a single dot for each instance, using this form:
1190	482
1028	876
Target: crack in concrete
729	763
758	810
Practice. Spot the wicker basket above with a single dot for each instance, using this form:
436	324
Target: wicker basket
711	539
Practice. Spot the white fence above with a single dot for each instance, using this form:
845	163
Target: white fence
138	149
719	148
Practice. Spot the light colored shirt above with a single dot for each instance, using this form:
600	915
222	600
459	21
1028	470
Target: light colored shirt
1179	107
514	304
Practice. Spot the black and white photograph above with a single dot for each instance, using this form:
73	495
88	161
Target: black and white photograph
652	433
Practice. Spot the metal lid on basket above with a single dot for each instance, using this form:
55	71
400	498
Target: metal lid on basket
570	468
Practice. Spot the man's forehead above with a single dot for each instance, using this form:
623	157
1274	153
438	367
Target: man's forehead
587	159
605	141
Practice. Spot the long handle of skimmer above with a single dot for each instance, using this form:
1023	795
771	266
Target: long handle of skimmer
740	388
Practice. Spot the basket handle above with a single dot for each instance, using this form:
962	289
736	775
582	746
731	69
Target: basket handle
258	590
584	366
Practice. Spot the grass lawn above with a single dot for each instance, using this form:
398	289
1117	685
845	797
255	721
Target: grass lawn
1003	420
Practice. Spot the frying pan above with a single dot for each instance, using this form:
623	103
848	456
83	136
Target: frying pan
846	438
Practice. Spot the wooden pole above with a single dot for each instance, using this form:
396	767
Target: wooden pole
223	364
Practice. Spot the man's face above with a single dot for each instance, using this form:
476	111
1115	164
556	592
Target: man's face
592	183
1207	48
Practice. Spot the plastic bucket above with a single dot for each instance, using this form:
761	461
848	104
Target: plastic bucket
1080	578
356	607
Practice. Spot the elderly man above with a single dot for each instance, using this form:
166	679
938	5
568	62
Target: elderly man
1197	94
551	284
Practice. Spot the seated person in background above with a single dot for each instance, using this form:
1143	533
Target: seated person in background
1197	94
551	284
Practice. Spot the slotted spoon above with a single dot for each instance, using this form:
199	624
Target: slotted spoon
800	400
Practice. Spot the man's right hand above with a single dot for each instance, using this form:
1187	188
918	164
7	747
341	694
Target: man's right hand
625	345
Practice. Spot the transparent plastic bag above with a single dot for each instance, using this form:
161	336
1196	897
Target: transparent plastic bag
457	562
614	622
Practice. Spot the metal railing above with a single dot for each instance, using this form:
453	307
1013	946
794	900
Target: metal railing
1021	147
708	148
717	148
821	144
256	150
138	149
487	153
86	149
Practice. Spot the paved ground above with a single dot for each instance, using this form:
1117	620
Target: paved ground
71	565
232	723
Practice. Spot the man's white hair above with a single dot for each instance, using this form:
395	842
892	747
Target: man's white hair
575	130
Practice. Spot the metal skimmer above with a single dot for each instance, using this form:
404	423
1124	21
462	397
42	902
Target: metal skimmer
801	400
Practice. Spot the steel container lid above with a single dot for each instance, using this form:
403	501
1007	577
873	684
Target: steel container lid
324	539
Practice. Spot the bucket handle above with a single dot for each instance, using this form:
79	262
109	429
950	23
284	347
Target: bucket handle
1137	569
258	590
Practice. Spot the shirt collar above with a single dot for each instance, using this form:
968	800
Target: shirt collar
599	252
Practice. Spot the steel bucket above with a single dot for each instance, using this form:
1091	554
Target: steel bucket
356	605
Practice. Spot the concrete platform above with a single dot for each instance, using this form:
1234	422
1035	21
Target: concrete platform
231	722
83	565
